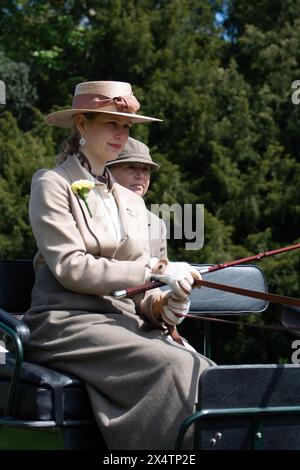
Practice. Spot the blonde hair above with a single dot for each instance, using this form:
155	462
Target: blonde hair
71	144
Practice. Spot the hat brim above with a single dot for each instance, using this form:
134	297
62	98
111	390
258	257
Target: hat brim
64	117
154	165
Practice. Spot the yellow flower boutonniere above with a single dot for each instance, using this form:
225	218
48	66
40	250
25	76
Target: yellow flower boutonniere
83	187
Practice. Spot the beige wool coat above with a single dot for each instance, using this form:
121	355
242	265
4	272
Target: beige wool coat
157	231
141	385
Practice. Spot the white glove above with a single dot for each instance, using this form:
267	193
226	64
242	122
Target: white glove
179	276
175	305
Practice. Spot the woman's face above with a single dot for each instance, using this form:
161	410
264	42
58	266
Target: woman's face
132	175
105	134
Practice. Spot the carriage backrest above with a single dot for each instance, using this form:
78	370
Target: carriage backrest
16	282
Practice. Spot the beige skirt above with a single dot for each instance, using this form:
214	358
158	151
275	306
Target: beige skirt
142	385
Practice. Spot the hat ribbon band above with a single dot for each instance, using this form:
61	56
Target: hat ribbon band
124	104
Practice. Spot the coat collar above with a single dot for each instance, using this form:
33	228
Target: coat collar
100	227
84	161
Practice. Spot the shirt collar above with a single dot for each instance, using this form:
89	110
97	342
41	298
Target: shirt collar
106	179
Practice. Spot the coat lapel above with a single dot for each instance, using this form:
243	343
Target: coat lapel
134	220
99	225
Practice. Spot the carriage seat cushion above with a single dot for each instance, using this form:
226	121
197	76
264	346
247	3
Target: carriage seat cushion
45	394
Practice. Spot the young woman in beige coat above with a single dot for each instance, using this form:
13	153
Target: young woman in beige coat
92	242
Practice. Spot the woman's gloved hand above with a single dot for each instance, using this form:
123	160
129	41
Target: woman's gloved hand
168	305
180	276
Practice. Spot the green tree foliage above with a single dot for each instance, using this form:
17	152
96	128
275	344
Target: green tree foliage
20	93
21	154
230	135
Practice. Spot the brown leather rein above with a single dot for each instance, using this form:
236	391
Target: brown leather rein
274	298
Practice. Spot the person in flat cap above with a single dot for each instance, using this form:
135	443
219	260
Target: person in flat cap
132	169
92	239
134	156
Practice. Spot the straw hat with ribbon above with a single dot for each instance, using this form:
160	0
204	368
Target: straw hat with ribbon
100	97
